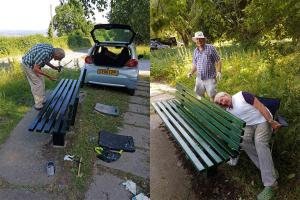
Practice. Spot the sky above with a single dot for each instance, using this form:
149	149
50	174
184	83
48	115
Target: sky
30	14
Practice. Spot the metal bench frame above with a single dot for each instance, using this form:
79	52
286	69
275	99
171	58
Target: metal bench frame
60	110
208	134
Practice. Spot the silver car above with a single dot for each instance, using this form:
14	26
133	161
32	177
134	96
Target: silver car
112	61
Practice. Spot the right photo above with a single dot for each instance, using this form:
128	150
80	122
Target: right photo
224	94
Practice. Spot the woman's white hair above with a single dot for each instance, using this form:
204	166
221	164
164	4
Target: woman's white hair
219	95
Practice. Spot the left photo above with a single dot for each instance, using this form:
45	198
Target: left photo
74	99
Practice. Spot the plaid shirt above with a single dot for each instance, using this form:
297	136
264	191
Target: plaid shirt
39	54
205	61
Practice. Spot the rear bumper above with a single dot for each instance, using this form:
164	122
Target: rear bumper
127	78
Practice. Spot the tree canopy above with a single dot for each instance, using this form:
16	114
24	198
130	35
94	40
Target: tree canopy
239	20
134	13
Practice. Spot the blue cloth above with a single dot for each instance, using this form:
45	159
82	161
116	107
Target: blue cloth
205	61
39	54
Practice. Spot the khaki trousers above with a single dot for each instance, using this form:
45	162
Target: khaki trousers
256	144
37	85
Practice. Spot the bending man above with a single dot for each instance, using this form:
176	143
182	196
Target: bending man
32	62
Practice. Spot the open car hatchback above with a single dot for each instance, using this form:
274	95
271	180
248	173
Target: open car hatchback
112	61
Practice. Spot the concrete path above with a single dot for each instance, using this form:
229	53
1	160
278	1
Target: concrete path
23	159
169	181
108	177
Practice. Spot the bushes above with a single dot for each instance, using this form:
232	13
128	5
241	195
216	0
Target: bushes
77	40
14	46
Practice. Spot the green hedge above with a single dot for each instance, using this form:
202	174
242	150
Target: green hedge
14	46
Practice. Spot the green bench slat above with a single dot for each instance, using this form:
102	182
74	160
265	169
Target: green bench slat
219	146
52	118
196	136
211	127
234	135
53	104
222	123
42	112
240	123
169	113
181	142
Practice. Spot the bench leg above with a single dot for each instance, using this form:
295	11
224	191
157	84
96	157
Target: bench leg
58	139
212	171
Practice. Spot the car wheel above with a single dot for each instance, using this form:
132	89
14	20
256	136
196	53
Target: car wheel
131	91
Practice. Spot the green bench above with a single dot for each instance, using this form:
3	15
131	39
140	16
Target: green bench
207	134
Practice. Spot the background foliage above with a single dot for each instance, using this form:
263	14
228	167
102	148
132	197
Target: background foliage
243	21
14	46
134	13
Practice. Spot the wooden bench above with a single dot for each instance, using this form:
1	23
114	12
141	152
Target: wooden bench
60	110
208	134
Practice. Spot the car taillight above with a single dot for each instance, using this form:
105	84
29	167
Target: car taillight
88	60
131	63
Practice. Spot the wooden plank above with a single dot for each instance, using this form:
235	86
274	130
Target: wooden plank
184	134
223	122
40	125
214	107
45	108
226	132
214	143
172	108
64	108
180	141
210	126
58	106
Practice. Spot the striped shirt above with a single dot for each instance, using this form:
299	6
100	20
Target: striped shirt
205	61
39	54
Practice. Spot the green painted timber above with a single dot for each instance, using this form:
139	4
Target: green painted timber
195	133
223	124
208	134
181	142
180	125
222	148
238	122
185	135
205	122
234	134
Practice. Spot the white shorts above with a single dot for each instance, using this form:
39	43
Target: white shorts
208	86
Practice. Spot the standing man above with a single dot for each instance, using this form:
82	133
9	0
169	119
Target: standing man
257	134
32	62
207	63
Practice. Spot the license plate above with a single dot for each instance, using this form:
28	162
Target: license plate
111	72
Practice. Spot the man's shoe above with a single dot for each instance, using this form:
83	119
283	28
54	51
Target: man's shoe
266	194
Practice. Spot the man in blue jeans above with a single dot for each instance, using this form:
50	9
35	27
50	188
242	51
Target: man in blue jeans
257	134
33	62
207	63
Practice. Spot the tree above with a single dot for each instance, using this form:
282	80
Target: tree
70	17
133	13
90	6
51	30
